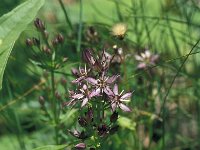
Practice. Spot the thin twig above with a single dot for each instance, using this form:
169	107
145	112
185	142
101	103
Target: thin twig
66	15
35	87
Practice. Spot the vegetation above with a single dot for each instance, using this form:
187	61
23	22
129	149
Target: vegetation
108	75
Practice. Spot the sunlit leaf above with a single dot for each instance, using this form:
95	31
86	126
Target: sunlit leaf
12	25
127	123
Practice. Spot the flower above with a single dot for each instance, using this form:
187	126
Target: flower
81	74
84	95
146	59
118	99
102	84
119	30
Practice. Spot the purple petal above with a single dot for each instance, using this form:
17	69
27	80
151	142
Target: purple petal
115	89
75	72
154	58
85	100
87	56
108	91
124	107
126	96
91	80
141	65
113	106
95	93
71	102
78	96
78	79
112	79
80	146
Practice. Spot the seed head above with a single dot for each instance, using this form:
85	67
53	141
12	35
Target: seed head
119	30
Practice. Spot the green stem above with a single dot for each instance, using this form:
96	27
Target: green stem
66	15
54	105
80	28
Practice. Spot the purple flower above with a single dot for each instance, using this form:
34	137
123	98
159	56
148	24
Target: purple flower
88	57
81	74
146	59
118	99
84	95
102	84
100	63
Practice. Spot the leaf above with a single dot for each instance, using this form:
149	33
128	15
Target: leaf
126	123
51	147
12	25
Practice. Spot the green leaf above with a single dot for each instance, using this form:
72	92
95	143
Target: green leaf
12	25
127	123
51	147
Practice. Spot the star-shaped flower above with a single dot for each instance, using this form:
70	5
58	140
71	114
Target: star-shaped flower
117	99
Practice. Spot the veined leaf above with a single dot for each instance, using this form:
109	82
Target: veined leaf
12	25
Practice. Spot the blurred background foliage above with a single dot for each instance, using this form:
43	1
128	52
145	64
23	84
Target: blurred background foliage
167	27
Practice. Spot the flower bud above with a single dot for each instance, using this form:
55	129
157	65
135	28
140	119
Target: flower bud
46	50
89	115
36	42
29	42
46	34
82	121
102	130
55	42
57	95
88	57
41	100
63	81
60	38
114	129
64	59
39	24
114	117
80	146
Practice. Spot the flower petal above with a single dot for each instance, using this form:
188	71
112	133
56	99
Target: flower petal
112	79
75	72
138	58
71	102
91	80
78	79
95	93
80	146
77	96
124	107
113	106
141	65
85	100
154	58
147	53
108	91
115	89
126	96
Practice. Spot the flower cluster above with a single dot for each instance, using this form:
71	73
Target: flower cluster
96	91
146	59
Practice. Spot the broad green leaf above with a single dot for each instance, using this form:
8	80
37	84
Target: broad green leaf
51	147
12	25
127	123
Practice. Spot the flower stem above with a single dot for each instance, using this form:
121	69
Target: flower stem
66	15
54	105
